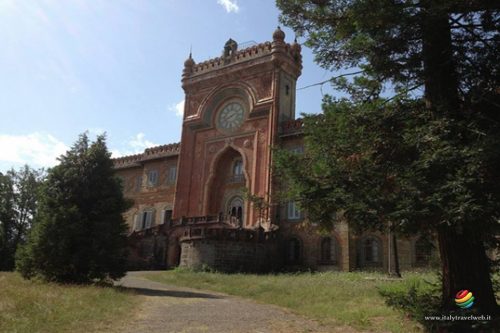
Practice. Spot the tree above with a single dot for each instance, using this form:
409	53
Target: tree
80	234
451	49
18	193
27	182
6	223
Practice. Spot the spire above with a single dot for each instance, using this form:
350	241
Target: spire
189	61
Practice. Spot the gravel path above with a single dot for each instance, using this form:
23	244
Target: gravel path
169	308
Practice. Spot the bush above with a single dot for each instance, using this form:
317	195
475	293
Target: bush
419	298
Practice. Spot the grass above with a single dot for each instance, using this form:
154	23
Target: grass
332	298
39	307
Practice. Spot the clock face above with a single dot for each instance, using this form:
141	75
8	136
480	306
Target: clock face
231	116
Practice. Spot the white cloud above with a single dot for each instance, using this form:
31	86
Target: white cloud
140	143
229	5
135	145
178	108
36	149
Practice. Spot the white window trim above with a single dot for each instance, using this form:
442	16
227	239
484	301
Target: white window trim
153	180
172	175
145	219
293	212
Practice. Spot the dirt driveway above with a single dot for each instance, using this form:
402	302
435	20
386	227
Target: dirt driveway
169	308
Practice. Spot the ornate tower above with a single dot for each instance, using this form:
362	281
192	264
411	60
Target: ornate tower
233	107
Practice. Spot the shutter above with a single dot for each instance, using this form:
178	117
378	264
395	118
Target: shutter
153	218
162	217
137	222
148	220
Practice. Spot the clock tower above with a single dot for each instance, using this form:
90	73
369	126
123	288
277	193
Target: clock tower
234	105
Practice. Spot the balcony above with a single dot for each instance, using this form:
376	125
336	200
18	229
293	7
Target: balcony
236	179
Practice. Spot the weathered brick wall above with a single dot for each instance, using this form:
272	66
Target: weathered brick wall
158	197
349	248
227	256
149	251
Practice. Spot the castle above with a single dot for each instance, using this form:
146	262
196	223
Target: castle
191	199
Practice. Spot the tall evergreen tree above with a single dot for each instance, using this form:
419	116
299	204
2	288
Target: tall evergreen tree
80	234
451	49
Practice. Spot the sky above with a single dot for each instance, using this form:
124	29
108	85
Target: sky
115	66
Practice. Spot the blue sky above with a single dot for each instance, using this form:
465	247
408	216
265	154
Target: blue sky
115	65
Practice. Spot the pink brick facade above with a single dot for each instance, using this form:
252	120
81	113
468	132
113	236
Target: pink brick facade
190	199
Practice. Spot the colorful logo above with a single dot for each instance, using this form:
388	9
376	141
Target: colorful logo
464	299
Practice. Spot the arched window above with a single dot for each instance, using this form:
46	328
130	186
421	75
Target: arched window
371	251
293	250
238	168
235	210
236	175
423	249
328	250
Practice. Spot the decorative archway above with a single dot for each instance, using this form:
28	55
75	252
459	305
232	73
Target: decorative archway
222	185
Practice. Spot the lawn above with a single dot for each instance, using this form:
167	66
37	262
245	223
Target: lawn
331	298
39	307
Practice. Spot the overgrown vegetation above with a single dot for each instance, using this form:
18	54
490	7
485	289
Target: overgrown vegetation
333	298
427	161
416	297
39	307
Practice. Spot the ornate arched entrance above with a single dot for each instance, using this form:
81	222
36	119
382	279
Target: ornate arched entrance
226	186
234	210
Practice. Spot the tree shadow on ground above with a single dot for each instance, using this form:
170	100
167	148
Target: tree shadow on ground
167	293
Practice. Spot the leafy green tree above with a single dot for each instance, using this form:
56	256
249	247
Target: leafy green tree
450	47
450	147
80	234
6	223
19	193
27	182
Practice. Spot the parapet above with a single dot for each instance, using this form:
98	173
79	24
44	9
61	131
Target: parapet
231	55
152	153
291	127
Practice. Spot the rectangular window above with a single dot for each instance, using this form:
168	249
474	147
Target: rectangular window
138	183
172	175
166	216
137	222
293	211
147	219
152	177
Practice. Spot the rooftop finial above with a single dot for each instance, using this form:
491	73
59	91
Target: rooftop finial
189	61
230	48
278	34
